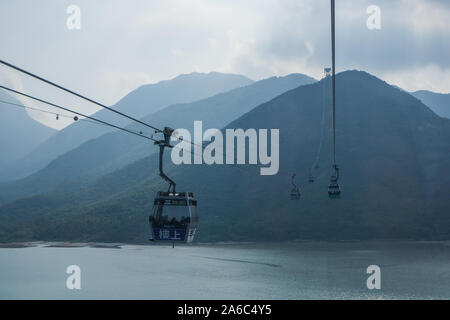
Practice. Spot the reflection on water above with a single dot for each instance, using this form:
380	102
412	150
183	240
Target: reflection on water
296	270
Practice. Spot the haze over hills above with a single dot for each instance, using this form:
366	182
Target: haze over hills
138	103
393	152
117	149
19	133
438	102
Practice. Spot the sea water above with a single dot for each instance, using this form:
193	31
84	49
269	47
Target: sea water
292	270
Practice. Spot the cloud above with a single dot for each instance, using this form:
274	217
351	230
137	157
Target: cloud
13	80
430	77
122	45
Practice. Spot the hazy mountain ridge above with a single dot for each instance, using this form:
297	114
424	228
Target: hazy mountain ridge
138	103
19	133
438	102
116	149
394	157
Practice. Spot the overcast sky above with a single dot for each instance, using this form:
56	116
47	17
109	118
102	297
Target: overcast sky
124	44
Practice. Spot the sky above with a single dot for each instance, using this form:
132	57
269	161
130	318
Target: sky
124	44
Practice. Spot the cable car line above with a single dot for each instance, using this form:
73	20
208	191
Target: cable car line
157	130
333	79
334	190
77	113
94	120
315	164
87	118
48	112
34	109
98	121
77	94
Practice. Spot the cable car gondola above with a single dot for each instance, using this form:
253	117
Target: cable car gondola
174	216
334	191
295	192
310	177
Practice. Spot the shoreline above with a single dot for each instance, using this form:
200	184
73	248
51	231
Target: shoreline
116	245
44	244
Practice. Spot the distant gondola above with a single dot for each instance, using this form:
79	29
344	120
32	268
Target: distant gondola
334	191
310	176
295	191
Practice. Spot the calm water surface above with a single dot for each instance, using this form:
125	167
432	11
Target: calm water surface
296	270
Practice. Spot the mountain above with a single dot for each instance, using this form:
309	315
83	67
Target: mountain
138	103
393	152
117	149
19	133
438	102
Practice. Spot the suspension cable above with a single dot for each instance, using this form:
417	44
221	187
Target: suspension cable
95	120
157	130
77	94
333	57
47	111
77	113
322	125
